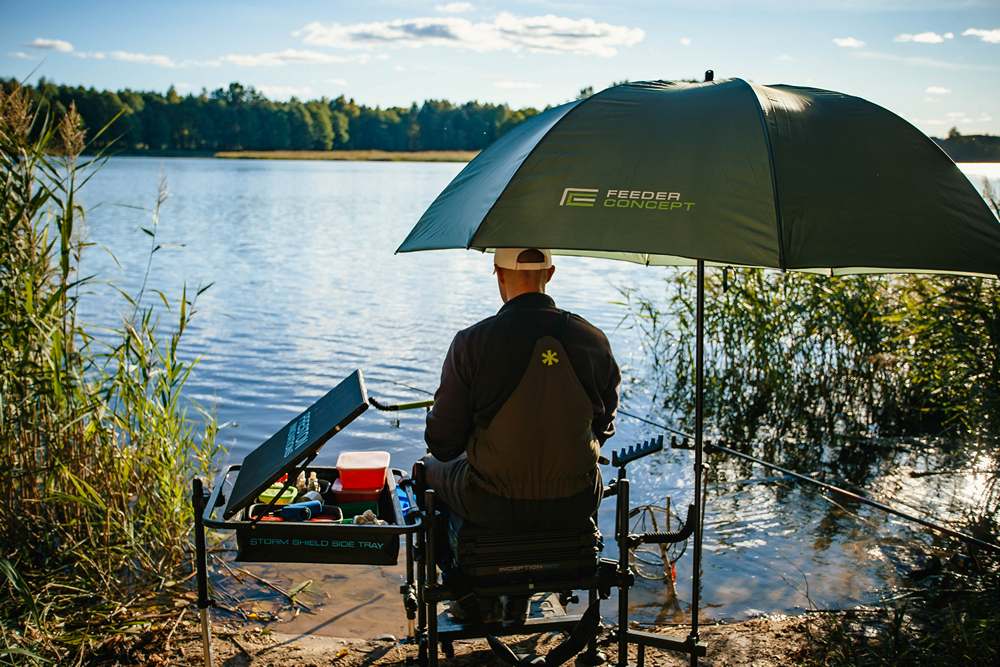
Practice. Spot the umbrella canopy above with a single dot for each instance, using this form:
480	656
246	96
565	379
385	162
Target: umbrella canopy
729	172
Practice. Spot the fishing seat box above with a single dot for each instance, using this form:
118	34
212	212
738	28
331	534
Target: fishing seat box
290	451
491	557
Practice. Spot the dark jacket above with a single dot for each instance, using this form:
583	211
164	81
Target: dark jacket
486	362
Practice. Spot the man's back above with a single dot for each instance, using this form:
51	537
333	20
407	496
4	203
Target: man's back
528	395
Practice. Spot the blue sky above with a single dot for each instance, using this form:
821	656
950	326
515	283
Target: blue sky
936	63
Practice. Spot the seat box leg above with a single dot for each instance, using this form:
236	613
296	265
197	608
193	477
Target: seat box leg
592	656
431	579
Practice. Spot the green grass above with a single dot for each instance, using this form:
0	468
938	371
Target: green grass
98	446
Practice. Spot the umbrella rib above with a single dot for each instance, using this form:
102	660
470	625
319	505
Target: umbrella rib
774	175
468	244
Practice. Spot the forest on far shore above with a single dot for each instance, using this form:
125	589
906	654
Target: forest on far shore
239	118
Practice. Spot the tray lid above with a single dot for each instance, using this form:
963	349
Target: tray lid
297	440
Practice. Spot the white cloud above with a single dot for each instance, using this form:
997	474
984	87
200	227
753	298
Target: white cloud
51	44
924	37
516	85
289	57
143	58
455	7
785	58
685	41
506	32
918	61
21	55
962	119
337	82
990	36
283	92
267	59
965	117
848	42
129	57
937	90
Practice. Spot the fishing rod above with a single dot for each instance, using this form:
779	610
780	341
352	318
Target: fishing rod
378	405
829	487
753	459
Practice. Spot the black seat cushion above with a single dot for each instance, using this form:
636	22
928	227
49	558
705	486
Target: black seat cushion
488	555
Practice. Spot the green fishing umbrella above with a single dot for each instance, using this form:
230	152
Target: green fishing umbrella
730	172
727	173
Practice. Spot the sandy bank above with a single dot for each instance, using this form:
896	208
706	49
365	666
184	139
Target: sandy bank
762	642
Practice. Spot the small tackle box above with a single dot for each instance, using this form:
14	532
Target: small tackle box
289	452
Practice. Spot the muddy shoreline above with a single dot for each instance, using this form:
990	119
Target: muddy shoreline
764	642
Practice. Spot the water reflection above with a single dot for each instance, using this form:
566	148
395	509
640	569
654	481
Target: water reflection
306	289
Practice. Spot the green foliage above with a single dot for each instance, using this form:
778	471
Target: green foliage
807	357
953	619
811	370
97	444
240	118
947	339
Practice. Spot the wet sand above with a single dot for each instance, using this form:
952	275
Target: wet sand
361	601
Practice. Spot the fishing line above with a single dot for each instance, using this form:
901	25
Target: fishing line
710	447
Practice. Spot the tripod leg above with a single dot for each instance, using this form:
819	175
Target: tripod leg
621	517
201	565
592	656
431	581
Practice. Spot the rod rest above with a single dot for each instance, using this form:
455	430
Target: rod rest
625	455
680	535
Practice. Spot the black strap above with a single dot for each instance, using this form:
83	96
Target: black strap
560	333
460	585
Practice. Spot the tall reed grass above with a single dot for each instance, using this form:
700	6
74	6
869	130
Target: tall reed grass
97	444
803	356
820	372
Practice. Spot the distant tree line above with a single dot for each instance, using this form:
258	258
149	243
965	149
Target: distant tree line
971	147
241	118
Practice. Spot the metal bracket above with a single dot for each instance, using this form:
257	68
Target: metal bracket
683	443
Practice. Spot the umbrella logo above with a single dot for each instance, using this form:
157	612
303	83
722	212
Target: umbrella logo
650	200
579	197
549	358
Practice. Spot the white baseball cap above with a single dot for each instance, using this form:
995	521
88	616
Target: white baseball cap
506	258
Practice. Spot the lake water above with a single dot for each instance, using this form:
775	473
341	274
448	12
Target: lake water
306	288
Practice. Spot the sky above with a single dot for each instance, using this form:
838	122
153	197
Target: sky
934	62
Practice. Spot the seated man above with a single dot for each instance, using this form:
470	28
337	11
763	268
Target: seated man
527	397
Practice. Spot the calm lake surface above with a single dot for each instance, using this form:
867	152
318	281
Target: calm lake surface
305	289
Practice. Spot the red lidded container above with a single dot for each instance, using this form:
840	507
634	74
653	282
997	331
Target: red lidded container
362	471
353	495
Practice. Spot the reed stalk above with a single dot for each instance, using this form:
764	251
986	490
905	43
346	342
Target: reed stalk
97	443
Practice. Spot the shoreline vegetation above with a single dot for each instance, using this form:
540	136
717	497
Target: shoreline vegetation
354	156
99	442
238	121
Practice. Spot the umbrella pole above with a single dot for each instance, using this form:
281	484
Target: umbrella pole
699	389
